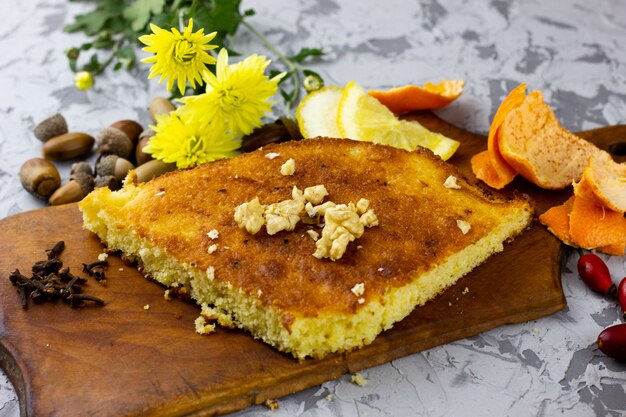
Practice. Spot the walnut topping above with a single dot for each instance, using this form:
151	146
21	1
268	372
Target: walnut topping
315	194
342	227
213	234
286	214
289	167
212	249
272	155
249	216
464	226
450	182
358	289
342	223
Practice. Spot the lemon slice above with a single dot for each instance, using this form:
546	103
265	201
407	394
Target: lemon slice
362	117
317	113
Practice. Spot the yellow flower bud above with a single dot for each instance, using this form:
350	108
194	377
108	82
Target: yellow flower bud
83	80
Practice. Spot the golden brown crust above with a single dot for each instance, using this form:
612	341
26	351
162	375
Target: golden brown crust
417	217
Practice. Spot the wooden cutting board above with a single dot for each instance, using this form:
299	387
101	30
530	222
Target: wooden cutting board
122	360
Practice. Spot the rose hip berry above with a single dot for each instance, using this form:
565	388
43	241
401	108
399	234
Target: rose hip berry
612	342
594	272
621	296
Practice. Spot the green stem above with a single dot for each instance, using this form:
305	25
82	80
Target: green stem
109	59
291	66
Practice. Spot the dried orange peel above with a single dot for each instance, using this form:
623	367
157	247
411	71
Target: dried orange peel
410	97
490	166
588	219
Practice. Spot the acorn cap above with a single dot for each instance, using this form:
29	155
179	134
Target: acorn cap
131	128
81	167
107	181
106	165
111	140
50	127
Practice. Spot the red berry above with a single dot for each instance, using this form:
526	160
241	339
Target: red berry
595	274
621	296
612	342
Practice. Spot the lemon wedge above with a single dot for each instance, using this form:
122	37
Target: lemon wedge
362	117
317	113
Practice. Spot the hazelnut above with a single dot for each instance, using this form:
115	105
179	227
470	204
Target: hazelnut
39	177
160	105
67	146
111	140
73	191
131	128
51	127
113	165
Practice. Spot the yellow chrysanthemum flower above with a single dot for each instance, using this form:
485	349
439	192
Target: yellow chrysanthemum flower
178	56
238	94
188	141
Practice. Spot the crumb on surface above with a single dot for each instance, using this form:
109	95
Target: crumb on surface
358	289
289	167
272	155
121	269
160	193
465	291
166	295
450	182
359	380
103	256
272	404
361	300
463	226
212	248
213	234
146	307
202	327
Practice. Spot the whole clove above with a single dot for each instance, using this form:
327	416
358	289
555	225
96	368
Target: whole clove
51	281
56	250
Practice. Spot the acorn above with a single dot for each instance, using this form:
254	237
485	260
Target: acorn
67	146
73	191
81	167
140	156
113	141
160	105
107	181
151	169
39	177
131	128
51	127
113	165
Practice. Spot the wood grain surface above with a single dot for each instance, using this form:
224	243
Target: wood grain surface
124	360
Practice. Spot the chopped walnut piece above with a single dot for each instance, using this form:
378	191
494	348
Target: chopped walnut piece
450	182
362	205
342	227
321	208
313	234
272	155
289	167
249	216
464	226
315	194
285	214
369	219
358	289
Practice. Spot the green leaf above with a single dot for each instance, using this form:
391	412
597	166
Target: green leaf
126	56
140	12
93	22
305	53
93	65
72	63
221	16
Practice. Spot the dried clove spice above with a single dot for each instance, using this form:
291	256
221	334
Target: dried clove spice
50	281
96	269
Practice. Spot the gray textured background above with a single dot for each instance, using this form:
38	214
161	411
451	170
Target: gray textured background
572	50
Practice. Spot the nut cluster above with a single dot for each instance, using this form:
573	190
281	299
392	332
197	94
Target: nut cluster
120	146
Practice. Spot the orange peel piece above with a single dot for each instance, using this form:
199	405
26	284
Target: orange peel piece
556	219
606	180
410	97
535	144
495	171
594	226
